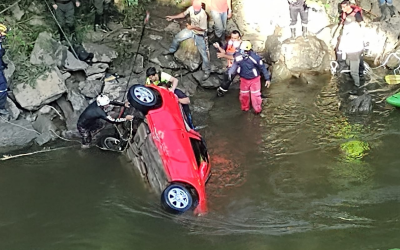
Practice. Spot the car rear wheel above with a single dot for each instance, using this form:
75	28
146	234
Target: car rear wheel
176	198
142	98
110	143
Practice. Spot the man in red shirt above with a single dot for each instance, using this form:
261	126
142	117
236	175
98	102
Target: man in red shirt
221	10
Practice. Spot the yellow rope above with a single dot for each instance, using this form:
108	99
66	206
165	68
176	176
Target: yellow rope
8	157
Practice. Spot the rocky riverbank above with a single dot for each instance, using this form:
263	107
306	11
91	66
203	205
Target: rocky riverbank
49	103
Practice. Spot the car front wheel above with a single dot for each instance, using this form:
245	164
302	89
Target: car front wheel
176	198
142	98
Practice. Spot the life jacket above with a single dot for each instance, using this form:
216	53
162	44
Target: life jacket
148	82
355	8
230	50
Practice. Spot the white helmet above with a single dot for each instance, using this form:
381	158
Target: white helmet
102	100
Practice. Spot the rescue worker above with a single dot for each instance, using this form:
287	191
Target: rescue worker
154	77
65	15
249	65
352	45
389	4
297	7
89	121
197	29
227	52
220	10
101	15
3	80
183	100
349	10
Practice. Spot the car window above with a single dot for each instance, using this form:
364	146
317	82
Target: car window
200	151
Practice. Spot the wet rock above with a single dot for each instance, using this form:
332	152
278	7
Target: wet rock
9	71
16	135
173	28
155	37
361	104
71	118
301	56
273	46
17	12
46	51
90	88
47	88
44	125
202	105
78	101
280	72
66	75
12	109
188	55
102	53
212	82
96	68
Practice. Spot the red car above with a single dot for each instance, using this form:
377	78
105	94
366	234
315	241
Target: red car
170	155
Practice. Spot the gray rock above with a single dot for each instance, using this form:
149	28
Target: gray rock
70	63
48	87
188	84
102	53
217	65
9	71
273	47
78	101
280	72
38	21
16	135
12	109
173	28
96	68
202	105
95	76
66	75
17	12
71	118
47	51
116	90
361	104
44	125
188	55
212	82
166	62
90	88
37	8
301	56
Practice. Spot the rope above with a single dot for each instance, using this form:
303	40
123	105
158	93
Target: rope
387	60
28	129
10	6
63	138
8	157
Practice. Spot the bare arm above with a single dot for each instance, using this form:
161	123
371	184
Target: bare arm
185	100
229	3
180	15
174	82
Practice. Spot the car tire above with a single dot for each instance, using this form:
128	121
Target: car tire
176	198
142	98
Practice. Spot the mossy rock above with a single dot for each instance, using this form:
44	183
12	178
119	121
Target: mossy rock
355	149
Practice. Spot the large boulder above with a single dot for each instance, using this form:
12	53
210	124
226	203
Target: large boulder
115	90
302	56
69	62
16	135
12	109
71	118
9	71
47	129
78	101
46	51
96	68
47	88
90	88
280	72
214	81
102	53
188	55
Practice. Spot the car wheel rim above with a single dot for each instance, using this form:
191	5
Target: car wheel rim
111	142
178	198
144	95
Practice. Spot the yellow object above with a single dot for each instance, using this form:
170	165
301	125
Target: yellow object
245	45
3	29
392	79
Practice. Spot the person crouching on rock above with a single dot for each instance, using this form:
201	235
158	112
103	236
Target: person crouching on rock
89	121
352	45
154	77
249	65
3	80
197	29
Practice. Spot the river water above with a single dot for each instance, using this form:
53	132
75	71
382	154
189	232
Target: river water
283	180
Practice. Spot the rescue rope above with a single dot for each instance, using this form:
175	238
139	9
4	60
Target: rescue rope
9	7
395	54
63	138
8	157
28	129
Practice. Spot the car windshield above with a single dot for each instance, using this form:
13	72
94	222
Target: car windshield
200	151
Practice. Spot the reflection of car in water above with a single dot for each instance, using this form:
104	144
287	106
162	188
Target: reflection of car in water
168	153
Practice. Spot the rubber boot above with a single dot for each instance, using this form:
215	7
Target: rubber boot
392	10
304	29
62	37
293	37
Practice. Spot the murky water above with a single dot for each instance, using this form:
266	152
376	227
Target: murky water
286	180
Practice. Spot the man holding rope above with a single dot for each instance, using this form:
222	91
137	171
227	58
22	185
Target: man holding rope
65	15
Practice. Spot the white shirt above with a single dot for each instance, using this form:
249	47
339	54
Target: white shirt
199	20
